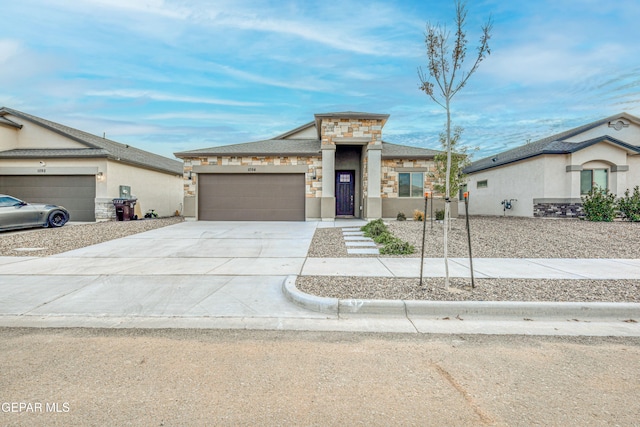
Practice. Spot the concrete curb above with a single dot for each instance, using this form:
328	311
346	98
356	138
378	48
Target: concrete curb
469	309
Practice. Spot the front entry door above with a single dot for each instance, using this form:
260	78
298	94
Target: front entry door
345	192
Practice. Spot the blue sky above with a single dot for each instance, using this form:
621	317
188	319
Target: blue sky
169	76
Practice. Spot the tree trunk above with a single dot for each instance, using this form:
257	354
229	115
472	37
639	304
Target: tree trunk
446	199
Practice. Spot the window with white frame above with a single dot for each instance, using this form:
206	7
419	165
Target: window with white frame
411	184
591	178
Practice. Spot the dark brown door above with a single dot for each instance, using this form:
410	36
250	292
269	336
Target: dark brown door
251	197
345	192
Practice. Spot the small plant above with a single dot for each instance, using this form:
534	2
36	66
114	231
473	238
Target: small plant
401	217
439	215
418	215
397	247
599	205
384	238
629	205
374	228
151	214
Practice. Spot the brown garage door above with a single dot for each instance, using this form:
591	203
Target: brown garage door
251	197
77	193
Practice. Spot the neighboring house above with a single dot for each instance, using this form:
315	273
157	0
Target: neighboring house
547	178
334	166
43	161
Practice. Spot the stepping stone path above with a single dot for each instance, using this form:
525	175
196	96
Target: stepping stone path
357	243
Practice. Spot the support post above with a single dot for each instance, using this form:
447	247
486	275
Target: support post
424	232
430	215
466	208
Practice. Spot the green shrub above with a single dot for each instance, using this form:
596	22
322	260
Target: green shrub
418	215
397	247
629	205
439	215
384	238
599	205
374	228
401	217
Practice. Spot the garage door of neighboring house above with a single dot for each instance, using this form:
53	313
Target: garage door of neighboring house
77	193
251	197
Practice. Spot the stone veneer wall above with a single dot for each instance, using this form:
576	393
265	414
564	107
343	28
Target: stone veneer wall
105	210
313	184
558	210
351	128
390	175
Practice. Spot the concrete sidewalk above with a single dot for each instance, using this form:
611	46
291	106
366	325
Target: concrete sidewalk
231	275
483	268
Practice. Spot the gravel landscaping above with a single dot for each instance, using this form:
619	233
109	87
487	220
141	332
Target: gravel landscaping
492	237
505	237
50	241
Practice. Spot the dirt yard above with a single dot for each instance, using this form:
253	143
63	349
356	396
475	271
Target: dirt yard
96	377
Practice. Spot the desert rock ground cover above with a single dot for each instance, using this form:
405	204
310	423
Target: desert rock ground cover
492	237
51	241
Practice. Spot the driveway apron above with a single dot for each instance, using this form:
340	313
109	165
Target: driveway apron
191	269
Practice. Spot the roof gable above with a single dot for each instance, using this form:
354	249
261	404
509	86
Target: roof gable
96	146
565	142
306	131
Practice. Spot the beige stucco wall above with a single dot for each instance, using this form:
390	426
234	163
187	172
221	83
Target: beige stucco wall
630	134
32	136
160	191
605	156
633	175
523	181
154	190
547	178
308	133
8	137
54	166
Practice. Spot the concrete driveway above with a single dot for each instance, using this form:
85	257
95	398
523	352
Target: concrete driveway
192	269
225	275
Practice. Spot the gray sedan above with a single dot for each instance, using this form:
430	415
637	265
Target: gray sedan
14	213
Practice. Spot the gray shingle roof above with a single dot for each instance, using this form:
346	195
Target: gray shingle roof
279	146
302	148
354	115
396	151
53	153
555	144
6	121
269	147
96	146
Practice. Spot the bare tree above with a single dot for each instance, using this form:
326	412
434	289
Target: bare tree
445	68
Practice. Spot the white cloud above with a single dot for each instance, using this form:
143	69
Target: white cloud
8	50
157	96
152	7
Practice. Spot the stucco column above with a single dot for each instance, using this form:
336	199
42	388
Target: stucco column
374	177
573	182
618	179
328	201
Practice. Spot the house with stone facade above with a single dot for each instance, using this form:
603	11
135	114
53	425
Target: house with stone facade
44	161
336	166
547	178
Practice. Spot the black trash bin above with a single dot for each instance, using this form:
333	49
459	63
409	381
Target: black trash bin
125	209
